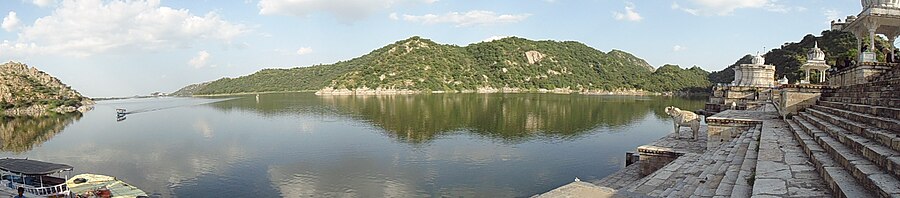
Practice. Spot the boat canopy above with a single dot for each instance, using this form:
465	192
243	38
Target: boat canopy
32	167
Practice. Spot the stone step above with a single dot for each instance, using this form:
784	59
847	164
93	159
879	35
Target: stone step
666	176
874	110
740	186
885	157
840	181
722	177
877	85
874	87
869	175
885	138
887	124
691	175
884	102
713	169
888	92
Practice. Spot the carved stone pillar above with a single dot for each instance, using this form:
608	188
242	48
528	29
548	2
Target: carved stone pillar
807	76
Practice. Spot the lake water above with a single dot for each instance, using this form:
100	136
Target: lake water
302	145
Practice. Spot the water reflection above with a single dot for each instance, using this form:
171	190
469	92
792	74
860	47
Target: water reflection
504	117
21	134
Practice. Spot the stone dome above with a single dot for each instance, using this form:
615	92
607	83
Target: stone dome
880	3
758	60
816	54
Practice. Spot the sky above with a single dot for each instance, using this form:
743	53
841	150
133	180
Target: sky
106	48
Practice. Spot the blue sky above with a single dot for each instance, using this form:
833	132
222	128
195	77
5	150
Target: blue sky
118	48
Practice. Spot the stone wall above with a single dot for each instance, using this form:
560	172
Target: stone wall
798	97
653	158
722	130
857	75
743	97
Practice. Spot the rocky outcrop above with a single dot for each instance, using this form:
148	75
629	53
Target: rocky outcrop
534	57
363	91
27	91
190	89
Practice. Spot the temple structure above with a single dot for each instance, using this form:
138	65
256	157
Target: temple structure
815	61
878	17
755	74
752	85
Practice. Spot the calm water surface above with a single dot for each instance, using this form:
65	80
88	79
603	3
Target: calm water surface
301	145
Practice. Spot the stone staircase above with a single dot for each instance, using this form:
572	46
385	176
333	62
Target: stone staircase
852	136
724	172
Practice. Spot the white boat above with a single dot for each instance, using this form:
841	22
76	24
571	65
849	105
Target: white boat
92	185
39	179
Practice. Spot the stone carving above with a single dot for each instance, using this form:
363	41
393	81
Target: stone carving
684	118
534	57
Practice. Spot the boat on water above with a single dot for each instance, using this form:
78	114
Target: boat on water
92	185
45	179
39	179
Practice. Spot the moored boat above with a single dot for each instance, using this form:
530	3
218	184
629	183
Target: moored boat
39	179
92	185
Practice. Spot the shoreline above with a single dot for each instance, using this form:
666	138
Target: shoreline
410	92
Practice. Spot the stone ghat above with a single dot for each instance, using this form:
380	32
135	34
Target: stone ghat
758	156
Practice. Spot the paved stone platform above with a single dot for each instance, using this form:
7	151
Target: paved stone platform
584	189
783	168
764	161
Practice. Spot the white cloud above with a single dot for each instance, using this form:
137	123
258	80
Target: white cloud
304	51
678	48
344	10
200	60
676	6
629	15
494	38
43	3
394	16
86	27
471	18
726	7
10	22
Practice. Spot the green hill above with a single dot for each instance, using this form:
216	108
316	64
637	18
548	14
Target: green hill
420	64
27	91
839	48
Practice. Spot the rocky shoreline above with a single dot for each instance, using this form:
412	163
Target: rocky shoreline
46	110
364	91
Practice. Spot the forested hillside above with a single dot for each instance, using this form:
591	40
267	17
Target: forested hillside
420	64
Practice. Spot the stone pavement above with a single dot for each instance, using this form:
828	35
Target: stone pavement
584	189
783	168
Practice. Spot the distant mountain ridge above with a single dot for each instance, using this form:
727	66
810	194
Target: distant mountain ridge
505	65
27	91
